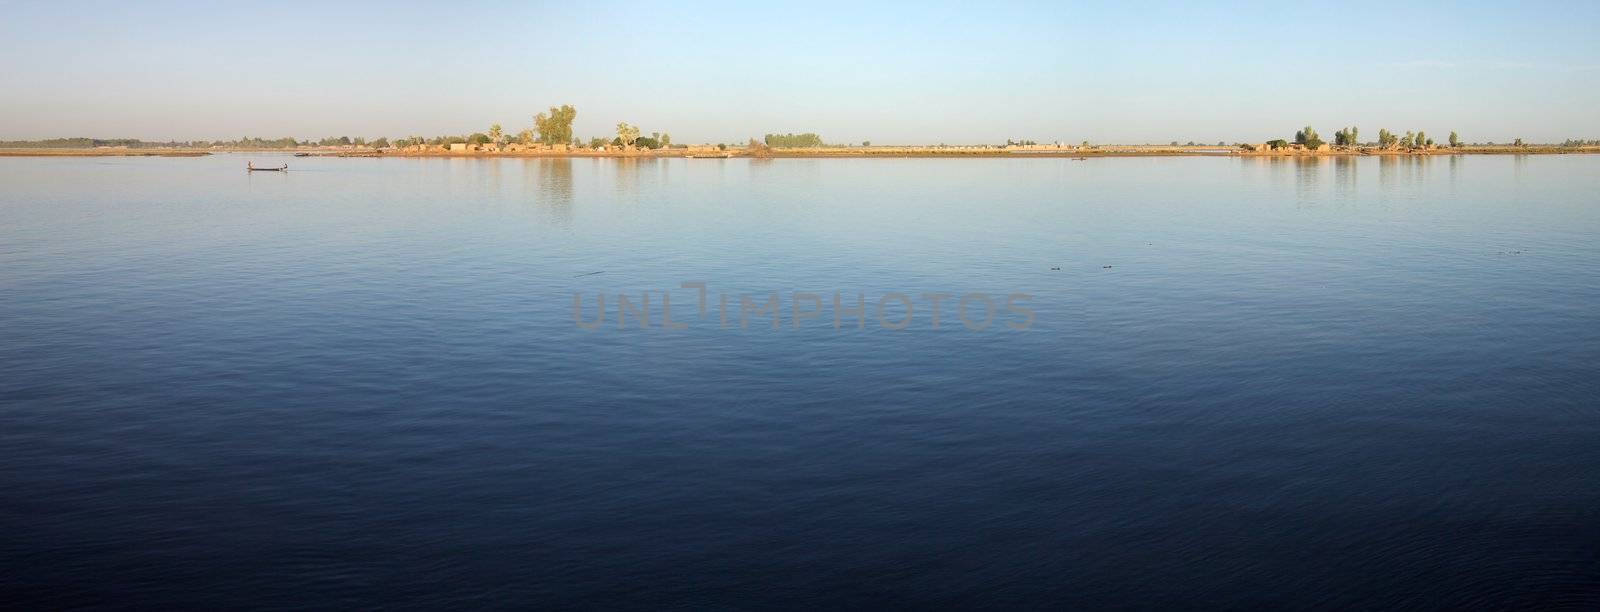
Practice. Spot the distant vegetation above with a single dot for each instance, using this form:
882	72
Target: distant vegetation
626	134
793	141
554	127
83	143
1308	137
1346	137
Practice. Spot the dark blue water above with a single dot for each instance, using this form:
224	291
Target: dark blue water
1247	384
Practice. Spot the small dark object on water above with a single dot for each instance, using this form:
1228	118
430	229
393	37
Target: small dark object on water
1056	268
590	274
302	155
251	167
1105	267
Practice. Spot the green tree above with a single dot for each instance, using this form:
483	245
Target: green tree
478	138
495	133
556	126
380	143
1454	141
1422	140
666	139
1346	137
793	140
627	134
597	142
1308	137
525	137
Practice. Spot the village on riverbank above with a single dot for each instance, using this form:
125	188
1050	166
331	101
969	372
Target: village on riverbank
551	135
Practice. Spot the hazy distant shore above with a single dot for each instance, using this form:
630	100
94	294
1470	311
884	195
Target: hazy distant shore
103	153
817	152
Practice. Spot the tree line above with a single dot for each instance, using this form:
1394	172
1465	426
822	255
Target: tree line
1351	137
793	141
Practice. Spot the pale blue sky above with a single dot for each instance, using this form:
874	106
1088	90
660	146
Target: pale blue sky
891	72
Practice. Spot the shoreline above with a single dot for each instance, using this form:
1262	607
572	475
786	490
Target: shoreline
831	152
103	153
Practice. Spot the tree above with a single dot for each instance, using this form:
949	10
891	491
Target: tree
1409	140
866	143
793	140
495	133
556	126
380	143
1454	141
1345	137
525	137
1517	143
627	134
1422	140
478	138
1355	136
1308	137
1278	143
597	142
666	139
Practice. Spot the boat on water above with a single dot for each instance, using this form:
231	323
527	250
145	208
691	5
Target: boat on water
251	167
302	155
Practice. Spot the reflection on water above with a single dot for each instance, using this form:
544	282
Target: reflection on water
1308	179
1345	177
554	186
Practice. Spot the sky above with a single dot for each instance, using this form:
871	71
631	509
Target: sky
891	73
